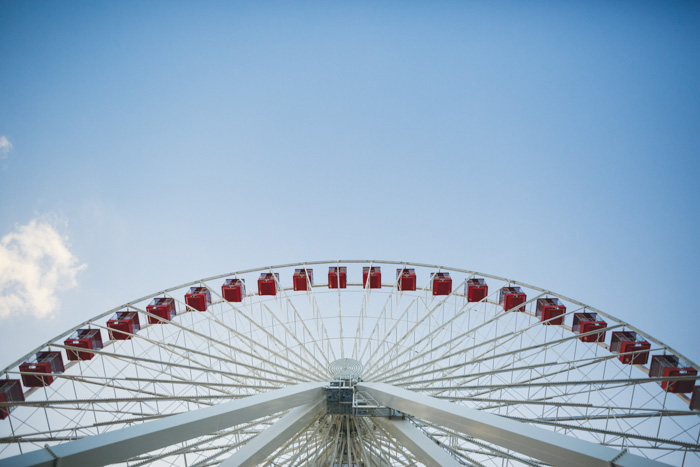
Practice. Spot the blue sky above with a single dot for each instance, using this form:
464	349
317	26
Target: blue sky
551	143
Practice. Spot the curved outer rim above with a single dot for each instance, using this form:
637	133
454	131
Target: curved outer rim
356	261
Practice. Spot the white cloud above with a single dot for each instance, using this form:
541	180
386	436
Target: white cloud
35	264
5	147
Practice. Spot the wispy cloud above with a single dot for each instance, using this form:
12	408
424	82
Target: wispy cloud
5	147
35	264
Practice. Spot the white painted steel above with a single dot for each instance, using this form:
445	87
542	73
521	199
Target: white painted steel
420	445
257	449
116	446
472	354
545	445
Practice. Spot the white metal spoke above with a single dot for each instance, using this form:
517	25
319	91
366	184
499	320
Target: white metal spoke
470	354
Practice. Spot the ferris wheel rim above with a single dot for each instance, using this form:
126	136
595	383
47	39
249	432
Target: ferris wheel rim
355	261
132	305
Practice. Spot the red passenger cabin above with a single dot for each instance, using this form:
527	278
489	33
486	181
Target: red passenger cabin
695	399
10	391
667	366
198	298
374	274
337	277
233	290
441	283
44	364
588	322
85	339
477	290
511	297
123	322
550	310
163	308
626	342
406	279
303	279
267	283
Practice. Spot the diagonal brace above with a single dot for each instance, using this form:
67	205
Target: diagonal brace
420	445
545	445
255	451
119	445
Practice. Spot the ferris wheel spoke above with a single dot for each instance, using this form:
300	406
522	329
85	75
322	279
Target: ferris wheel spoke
314	340
360	355
561	383
281	451
255	370
281	345
619	434
320	376
310	442
390	353
138	361
568	367
394	350
254	346
474	354
141	362
218	344
400	368
498	340
534	349
318	318
551	402
389	441
382	315
472	376
600	389
303	323
485	448
504	338
379	353
76	428
191	447
427	340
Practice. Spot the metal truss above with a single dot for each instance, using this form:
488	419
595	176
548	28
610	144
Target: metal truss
471	355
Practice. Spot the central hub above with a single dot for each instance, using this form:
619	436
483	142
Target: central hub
346	372
346	369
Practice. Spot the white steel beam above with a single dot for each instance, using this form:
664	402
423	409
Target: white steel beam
545	445
257	449
420	445
118	445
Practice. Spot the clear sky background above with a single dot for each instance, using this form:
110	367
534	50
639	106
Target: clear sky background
147	144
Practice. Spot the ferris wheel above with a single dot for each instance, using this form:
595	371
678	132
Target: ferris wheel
351	363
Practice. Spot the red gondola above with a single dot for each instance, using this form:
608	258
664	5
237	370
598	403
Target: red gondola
477	290
511	297
588	322
550	310
198	298
626	342
695	399
267	283
123	322
664	366
233	290
374	274
337	277
300	279
10	391
163	308
44	364
85	339
441	283
406	279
